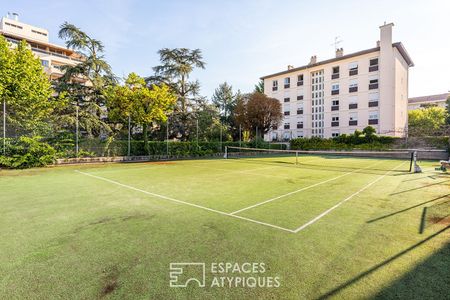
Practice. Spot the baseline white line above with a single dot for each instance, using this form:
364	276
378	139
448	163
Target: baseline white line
183	202
345	200
300	190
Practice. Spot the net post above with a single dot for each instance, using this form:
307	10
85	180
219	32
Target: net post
417	169
411	161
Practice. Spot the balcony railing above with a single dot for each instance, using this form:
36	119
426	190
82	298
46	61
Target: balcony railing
300	97
353	106
373	121
335	76
373	103
334	107
353	122
287	126
299	126
299	111
287	113
373	68
353	72
373	86
334	92
300	83
334	123
286	86
353	89
274	88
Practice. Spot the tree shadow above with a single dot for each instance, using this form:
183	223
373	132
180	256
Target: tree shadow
430	275
406	209
420	187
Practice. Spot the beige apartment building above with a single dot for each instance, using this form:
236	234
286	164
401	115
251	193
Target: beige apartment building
439	100
52	56
339	95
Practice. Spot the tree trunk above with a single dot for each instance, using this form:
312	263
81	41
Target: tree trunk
145	134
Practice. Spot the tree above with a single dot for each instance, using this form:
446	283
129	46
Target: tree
447	103
259	87
426	121
224	99
83	83
144	105
257	111
28	106
175	69
369	131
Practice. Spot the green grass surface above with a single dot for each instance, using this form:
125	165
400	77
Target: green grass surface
65	234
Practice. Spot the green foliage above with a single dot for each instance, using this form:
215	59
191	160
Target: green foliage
259	87
27	152
426	121
25	88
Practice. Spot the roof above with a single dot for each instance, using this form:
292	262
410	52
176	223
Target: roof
430	98
398	45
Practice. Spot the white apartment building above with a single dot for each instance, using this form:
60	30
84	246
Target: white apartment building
339	95
52	56
439	100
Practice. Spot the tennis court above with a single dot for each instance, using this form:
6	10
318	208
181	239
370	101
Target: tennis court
326	225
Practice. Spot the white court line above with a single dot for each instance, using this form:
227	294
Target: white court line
184	202
345	200
300	190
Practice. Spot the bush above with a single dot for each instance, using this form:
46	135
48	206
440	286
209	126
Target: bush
27	152
344	142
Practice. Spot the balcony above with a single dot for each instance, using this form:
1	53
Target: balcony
287	126
373	103
286	86
353	122
373	121
274	88
334	107
299	126
335	76
300	83
353	106
334	123
299	111
353	72
300	97
373	86
373	68
334	92
287	113
353	89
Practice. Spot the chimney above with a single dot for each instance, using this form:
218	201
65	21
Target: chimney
386	35
290	67
339	52
15	16
313	60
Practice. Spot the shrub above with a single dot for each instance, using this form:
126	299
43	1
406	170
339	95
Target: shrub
27	152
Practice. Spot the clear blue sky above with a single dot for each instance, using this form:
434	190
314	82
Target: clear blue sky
243	40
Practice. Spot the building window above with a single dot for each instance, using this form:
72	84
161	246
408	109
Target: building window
353	86
287	82
38	32
14	25
373	117
353	69
373	99
287	99
373	84
352	102
300	124
44	63
287	126
353	119
300	80
300	97
334	134
334	121
274	85
334	104
335	89
373	65
335	74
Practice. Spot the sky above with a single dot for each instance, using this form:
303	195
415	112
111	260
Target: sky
244	40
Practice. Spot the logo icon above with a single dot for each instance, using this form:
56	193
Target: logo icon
183	273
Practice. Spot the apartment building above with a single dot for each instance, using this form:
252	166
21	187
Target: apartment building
52	56
339	95
439	100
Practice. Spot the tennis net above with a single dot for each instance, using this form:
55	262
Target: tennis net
338	159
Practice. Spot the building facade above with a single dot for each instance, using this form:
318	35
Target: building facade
349	92
439	100
52	56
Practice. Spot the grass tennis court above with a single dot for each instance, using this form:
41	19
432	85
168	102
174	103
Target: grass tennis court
328	227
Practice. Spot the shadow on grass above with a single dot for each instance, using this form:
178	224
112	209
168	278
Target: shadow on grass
435	281
406	209
418	188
